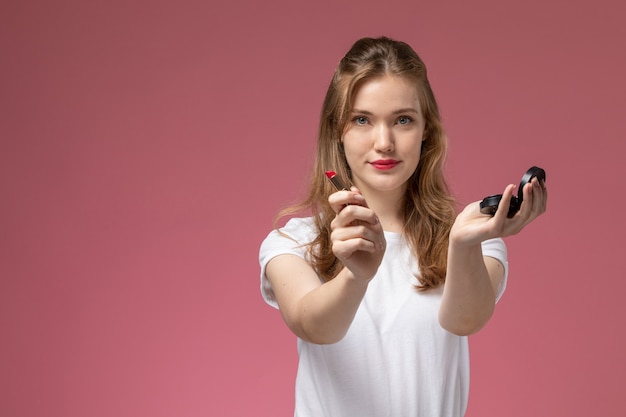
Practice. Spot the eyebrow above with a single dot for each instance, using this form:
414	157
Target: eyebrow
398	111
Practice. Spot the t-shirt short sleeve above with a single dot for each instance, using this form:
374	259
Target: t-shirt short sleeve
291	239
496	248
298	232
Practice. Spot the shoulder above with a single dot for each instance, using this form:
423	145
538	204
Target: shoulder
300	230
291	238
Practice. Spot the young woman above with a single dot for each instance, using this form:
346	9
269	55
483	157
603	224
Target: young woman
384	281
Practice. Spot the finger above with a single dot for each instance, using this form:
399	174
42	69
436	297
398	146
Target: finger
358	237
537	197
352	214
534	200
529	200
343	198
505	202
541	196
356	229
345	248
359	196
357	222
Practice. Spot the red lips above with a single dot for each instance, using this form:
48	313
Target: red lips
384	164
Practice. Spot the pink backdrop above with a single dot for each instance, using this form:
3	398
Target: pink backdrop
145	147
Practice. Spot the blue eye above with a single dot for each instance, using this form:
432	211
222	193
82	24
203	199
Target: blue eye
360	120
404	120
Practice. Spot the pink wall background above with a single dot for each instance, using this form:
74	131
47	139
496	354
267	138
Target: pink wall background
145	147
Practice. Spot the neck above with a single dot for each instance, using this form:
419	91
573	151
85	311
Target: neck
388	208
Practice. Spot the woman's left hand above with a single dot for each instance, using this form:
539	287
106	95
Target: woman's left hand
471	226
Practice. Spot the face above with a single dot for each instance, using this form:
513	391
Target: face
383	139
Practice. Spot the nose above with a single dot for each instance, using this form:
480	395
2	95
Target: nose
384	141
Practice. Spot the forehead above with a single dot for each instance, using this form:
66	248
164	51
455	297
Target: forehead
386	92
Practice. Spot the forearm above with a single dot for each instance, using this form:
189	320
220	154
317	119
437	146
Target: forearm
325	314
468	298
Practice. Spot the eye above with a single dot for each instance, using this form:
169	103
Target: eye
360	120
404	120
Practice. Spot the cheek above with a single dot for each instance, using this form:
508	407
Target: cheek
354	145
350	155
414	155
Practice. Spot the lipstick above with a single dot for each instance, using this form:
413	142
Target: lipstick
384	164
337	182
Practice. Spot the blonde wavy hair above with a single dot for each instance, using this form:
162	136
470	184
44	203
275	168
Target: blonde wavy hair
429	209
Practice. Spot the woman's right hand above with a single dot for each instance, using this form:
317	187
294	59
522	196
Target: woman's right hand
357	237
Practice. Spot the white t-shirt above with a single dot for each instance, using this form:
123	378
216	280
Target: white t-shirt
395	360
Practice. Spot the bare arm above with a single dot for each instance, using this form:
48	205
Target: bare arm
472	280
470	290
316	312
323	312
